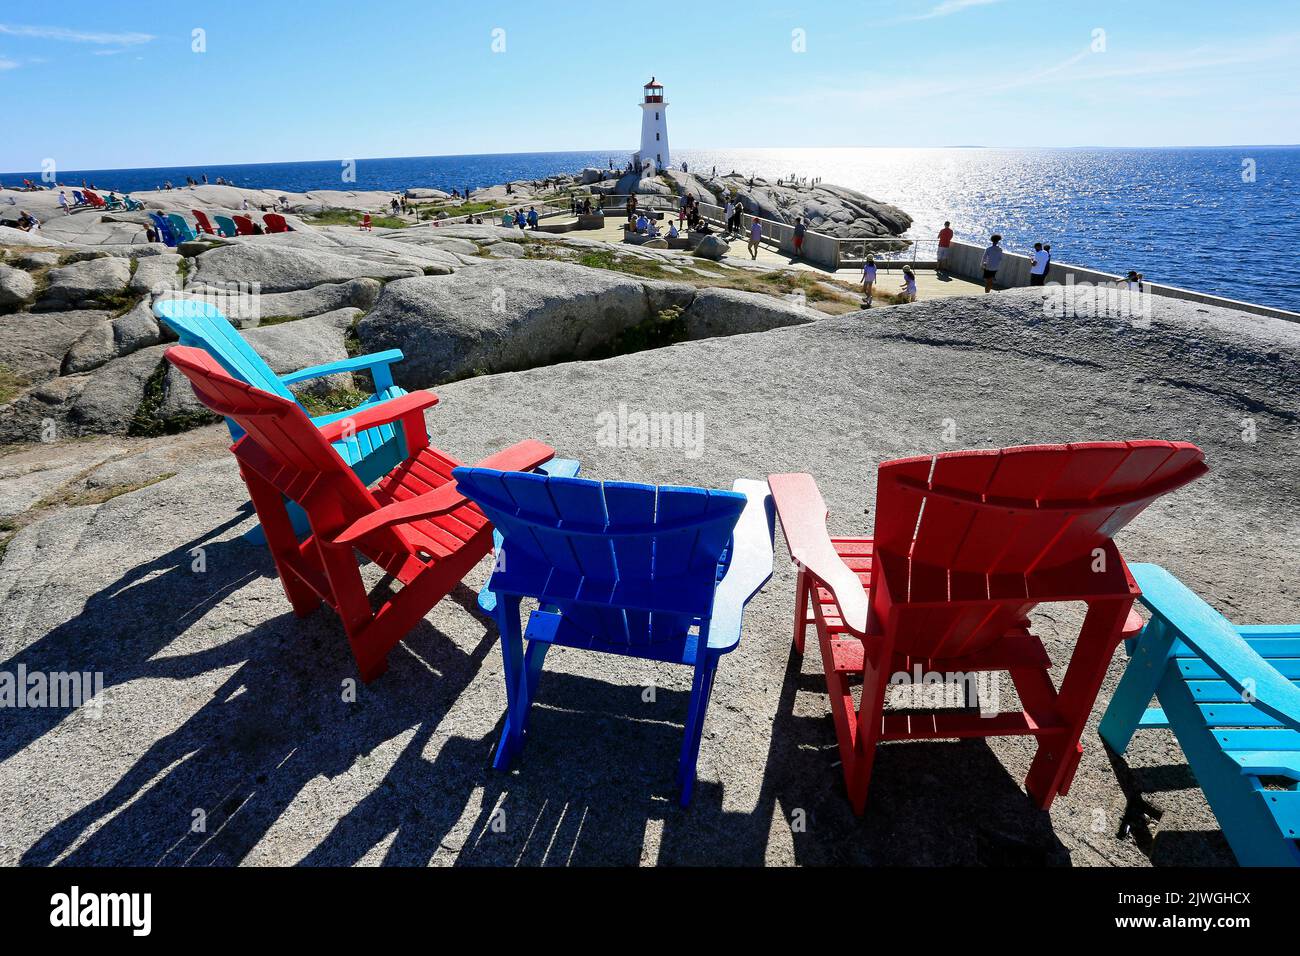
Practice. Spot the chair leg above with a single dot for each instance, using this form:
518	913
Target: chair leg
701	689
534	656
1058	753
512	656
801	602
862	758
1138	685
369	646
275	523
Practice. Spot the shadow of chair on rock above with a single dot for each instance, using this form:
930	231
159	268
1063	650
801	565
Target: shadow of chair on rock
122	628
276	725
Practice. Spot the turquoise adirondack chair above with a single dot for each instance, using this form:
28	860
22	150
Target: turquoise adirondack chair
181	228
371	452
1229	694
659	573
226	225
131	204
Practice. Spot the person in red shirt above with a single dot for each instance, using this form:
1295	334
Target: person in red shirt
945	245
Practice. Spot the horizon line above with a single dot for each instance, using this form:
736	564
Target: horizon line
545	152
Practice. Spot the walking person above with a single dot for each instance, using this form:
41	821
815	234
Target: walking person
868	280
799	230
909	284
1038	268
992	261
945	245
63	203
755	235
728	214
682	204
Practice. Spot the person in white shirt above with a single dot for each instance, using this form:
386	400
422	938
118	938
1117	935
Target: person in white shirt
1038	270
728	214
868	280
63	203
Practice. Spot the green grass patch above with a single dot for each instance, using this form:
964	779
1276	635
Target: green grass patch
11	383
464	209
335	400
148	420
277	320
351	217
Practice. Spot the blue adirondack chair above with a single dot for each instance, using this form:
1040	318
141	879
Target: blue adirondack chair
226	225
371	453
1229	695
659	573
164	228
78	199
181	228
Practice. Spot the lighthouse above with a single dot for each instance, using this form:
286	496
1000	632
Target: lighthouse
654	129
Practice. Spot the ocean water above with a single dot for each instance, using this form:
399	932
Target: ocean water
1220	220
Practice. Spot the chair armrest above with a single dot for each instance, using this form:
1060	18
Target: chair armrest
750	565
357	364
523	456
803	520
380	413
1218	643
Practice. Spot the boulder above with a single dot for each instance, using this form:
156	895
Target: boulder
427	194
112	394
716	312
284	268
85	281
33	345
17	287
92	349
712	247
36	259
501	316
136	329
156	274
248	311
591	174
9	236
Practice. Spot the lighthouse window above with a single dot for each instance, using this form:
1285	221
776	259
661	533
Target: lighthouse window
656	135
656	116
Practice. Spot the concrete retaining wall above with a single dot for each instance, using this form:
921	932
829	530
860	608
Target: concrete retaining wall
964	261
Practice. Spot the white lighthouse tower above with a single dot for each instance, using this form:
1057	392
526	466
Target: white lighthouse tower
654	130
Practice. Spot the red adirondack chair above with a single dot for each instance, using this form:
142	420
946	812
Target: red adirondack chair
966	544
365	224
414	523
204	224
245	225
95	199
275	222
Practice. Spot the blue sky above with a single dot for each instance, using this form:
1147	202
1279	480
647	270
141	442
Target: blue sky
103	85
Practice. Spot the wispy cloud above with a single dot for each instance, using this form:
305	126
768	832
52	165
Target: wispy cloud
949	7
8	64
66	35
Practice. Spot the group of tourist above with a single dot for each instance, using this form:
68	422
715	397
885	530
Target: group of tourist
524	220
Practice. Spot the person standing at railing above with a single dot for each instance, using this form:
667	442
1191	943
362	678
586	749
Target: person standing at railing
992	261
799	230
728	215
945	246
868	280
755	236
1038	270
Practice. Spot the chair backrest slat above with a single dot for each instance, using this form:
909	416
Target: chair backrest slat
201	324
602	549
986	520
